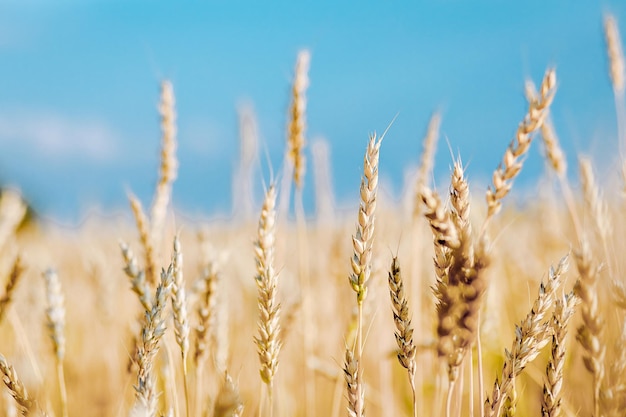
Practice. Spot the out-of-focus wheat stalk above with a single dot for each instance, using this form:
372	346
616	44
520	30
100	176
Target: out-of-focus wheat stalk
11	285
243	201
297	122
55	313
26	404
143	226
590	332
324	197
169	164
228	402
429	147
12	211
137	277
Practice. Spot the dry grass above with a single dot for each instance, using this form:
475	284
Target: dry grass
118	324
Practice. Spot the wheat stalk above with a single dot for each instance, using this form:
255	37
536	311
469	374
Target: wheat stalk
362	244
615	52
11	285
55	313
26	404
137	277
228	402
268	341
152	332
356	393
429	147
590	332
145	236
179	305
297	122
404	329
511	162
552	389
169	164
530	337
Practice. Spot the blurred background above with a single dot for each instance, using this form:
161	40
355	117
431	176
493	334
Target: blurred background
79	87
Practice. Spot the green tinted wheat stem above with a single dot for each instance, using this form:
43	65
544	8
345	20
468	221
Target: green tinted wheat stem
361	261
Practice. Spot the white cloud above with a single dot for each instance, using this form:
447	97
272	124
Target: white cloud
58	136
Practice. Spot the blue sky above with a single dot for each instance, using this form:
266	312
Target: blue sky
79	89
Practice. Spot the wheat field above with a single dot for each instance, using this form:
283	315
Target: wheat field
458	303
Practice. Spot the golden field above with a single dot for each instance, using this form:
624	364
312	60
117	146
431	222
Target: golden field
521	313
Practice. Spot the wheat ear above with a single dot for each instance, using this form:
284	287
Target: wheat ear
228	402
530	337
297	120
137	277
404	329
356	393
362	243
512	161
169	164
553	387
143	226
429	147
268	341
11	285
615	52
152	332
590	332
55	313
181	320
26	404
